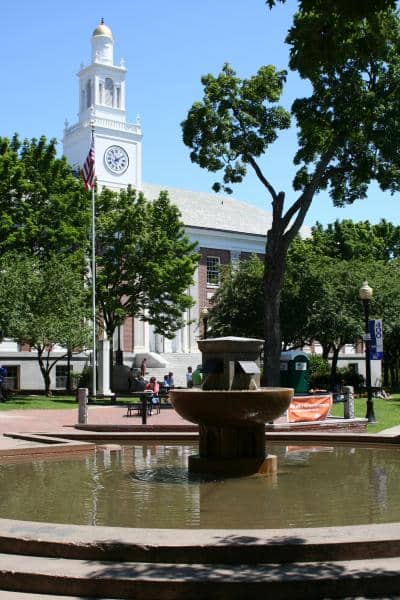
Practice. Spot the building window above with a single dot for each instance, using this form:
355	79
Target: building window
109	92
89	94
118	91
213	265
11	380
61	376
100	93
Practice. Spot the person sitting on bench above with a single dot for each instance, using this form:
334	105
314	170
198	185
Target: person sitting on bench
155	388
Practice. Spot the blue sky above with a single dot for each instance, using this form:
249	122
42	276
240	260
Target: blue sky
167	46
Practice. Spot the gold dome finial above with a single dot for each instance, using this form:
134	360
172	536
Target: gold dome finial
102	29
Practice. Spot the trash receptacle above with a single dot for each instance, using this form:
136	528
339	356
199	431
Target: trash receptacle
295	371
197	376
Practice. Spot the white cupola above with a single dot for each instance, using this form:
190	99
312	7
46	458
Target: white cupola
102	45
102	105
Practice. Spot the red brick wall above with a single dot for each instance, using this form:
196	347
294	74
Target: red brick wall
225	258
128	332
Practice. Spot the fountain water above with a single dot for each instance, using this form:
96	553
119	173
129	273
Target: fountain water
231	409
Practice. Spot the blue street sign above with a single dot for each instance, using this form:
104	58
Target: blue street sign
376	344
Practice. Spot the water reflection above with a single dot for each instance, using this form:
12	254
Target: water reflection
147	485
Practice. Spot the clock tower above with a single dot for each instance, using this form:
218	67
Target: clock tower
118	148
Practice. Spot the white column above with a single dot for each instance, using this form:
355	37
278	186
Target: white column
185	335
168	345
194	312
103	361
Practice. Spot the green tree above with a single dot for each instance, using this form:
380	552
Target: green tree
347	130
375	248
349	8
145	262
238	304
44	303
346	240
44	209
319	300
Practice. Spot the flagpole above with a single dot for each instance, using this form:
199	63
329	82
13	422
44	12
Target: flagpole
94	362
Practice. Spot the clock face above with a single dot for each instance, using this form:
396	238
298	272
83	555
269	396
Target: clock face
116	159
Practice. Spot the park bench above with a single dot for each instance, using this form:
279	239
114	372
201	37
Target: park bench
136	408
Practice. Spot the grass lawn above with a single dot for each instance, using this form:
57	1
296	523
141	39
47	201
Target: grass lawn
21	401
387	412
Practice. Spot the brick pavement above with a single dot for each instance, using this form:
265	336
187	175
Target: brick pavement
48	420
53	420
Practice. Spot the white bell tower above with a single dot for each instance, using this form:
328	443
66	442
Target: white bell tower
118	147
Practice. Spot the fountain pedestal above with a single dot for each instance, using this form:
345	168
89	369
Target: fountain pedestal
232	451
231	410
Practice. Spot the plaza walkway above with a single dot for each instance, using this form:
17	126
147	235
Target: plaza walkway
51	420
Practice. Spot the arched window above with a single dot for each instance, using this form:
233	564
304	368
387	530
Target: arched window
89	94
109	91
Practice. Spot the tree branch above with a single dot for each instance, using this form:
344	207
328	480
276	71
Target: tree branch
302	204
261	177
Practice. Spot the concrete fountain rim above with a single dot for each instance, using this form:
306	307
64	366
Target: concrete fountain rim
51	535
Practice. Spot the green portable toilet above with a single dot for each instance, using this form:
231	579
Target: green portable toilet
295	371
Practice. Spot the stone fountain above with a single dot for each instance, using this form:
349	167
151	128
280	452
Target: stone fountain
231	409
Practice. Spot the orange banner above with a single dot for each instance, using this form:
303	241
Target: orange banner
309	408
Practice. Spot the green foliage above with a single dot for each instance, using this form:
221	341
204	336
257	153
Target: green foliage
349	376
353	9
347	128
145	261
320	373
318	364
337	31
319	299
346	240
43	303
353	106
44	209
238	304
85	378
235	122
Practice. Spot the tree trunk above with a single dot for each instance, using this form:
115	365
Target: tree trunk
326	348
111	359
274	271
69	386
385	373
45	372
335	357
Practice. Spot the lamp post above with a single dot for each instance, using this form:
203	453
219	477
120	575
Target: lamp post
365	294
204	318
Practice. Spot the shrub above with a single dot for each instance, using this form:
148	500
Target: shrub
320	372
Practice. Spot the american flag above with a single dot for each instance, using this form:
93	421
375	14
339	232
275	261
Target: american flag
88	173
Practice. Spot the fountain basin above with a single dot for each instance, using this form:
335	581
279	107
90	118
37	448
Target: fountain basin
229	562
234	408
232	428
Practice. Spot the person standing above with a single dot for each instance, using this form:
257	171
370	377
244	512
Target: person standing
169	380
143	367
189	376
